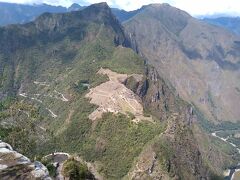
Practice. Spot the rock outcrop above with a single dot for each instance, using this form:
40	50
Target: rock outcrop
14	165
174	153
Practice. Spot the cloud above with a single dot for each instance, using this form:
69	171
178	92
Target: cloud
194	7
66	3
209	7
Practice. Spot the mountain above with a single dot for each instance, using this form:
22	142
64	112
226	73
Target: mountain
74	7
70	83
18	13
204	67
199	60
123	15
230	23
12	13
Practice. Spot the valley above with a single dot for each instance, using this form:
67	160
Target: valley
233	171
37	97
152	97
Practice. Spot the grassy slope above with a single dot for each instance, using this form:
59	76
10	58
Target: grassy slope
114	142
63	65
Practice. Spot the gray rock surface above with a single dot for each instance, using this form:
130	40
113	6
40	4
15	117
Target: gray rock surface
14	165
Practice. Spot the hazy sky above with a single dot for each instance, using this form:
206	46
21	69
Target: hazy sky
194	7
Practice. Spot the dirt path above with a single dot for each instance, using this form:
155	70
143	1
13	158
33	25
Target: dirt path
69	116
36	97
63	98
52	113
41	83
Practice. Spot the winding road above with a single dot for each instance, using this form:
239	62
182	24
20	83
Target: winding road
62	97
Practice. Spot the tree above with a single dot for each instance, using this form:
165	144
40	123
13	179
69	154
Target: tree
74	170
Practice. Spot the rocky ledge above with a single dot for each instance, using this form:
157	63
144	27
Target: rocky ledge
14	165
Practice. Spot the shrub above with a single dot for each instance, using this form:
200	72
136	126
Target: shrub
52	170
74	170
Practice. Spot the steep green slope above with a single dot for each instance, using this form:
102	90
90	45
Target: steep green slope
47	68
60	53
202	63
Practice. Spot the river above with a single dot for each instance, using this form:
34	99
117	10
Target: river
232	170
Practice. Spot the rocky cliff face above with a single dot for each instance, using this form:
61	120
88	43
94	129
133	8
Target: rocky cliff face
14	165
201	61
174	153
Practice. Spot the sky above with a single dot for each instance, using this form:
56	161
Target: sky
194	7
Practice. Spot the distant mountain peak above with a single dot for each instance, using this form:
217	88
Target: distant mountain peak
160	5
56	26
99	11
170	17
100	5
230	23
167	7
74	7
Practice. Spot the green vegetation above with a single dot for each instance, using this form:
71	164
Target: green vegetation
204	122
81	86
6	103
227	126
226	133
74	170
224	147
22	134
52	170
211	99
68	60
235	141
131	115
118	137
48	162
164	152
4	132
131	84
211	127
125	61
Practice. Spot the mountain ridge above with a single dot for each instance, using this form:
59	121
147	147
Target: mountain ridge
17	13
54	67
193	42
230	23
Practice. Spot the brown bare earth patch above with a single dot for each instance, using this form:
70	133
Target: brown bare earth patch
68	120
236	175
113	96
147	166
